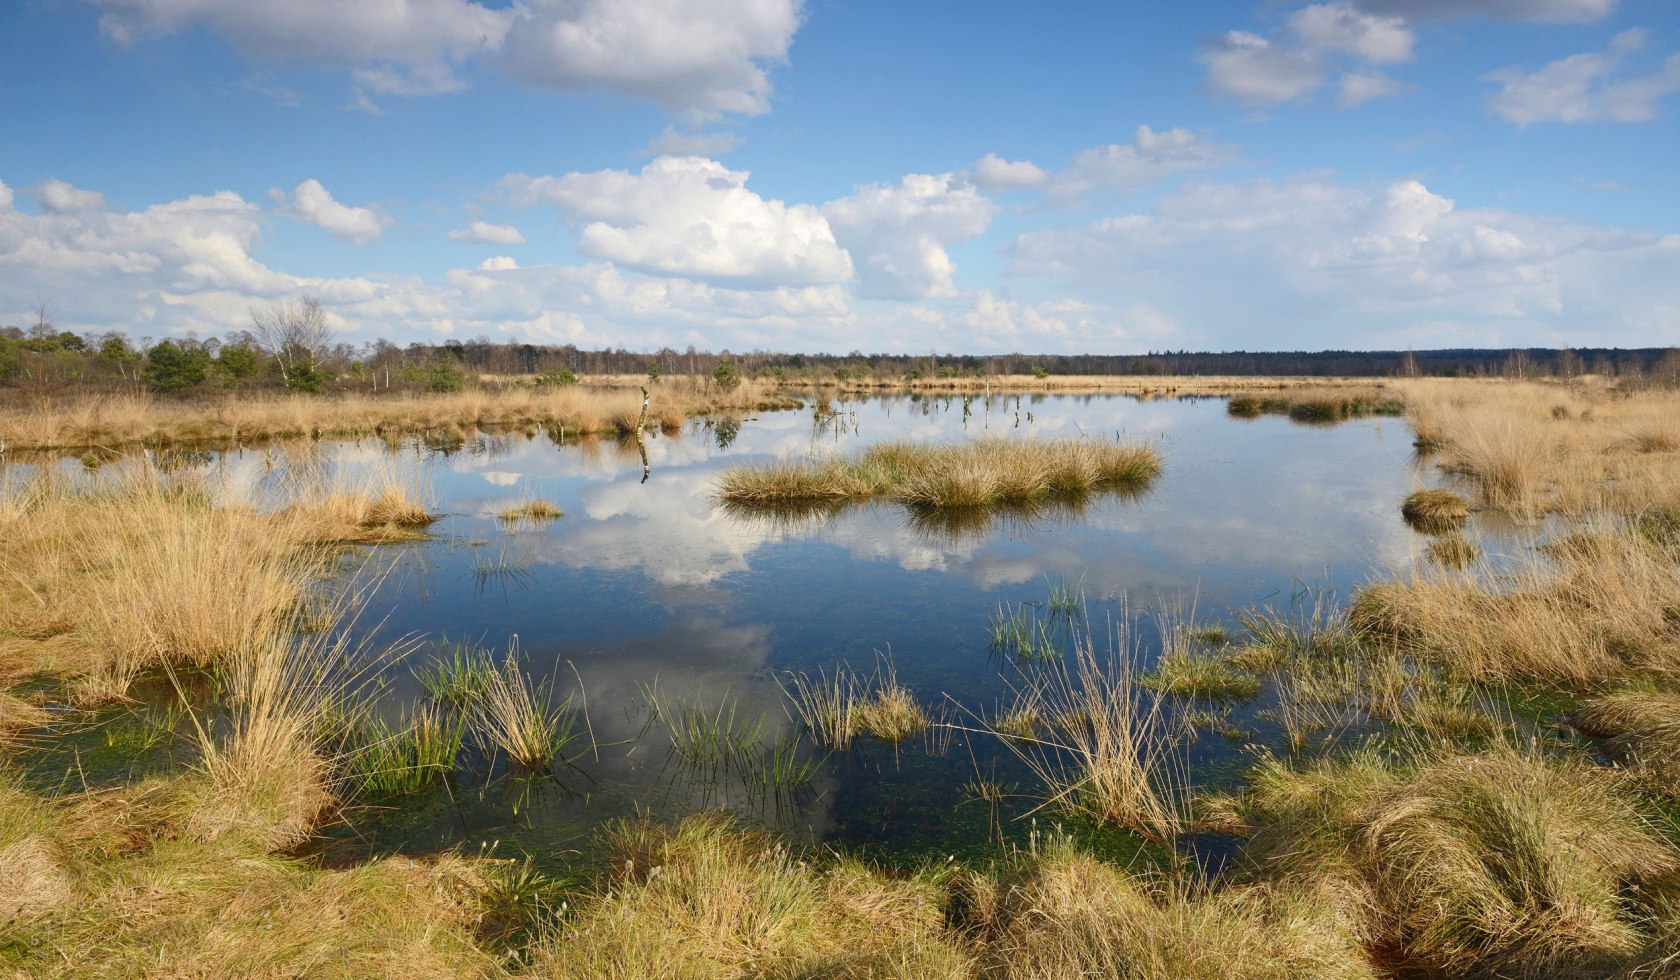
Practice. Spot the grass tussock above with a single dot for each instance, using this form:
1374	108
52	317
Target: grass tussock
1506	862
1065	914
78	903
532	511
522	718
1105	751
1315	405
837	709
1591	608
1435	511
1641	727
982	473
710	899
1197	674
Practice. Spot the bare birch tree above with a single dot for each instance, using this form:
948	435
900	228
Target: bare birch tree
295	333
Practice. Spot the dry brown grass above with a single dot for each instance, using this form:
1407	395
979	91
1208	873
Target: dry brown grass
1592	608
1537	447
708	899
105	420
983	473
1503	863
1435	511
1071	915
143	569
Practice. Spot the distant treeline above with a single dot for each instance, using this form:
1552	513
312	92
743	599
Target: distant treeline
297	351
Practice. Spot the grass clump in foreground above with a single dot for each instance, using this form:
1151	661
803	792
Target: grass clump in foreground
1105	751
709	899
982	473
1435	511
1508	862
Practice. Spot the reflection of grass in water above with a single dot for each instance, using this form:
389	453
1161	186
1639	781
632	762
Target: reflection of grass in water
705	737
778	767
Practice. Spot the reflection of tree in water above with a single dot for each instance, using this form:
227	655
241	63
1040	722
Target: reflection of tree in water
176	460
724	430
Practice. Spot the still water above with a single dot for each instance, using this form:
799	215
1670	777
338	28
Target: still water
649	590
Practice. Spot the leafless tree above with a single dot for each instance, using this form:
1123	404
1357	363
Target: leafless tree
294	332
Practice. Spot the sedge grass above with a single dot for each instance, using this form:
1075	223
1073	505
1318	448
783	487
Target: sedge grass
457	675
1507	861
1435	511
406	758
521	718
1106	752
983	473
838	708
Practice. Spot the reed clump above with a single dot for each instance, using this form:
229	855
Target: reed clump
522	717
1061	913
982	473
1505	862
1106	751
532	511
1435	511
837	709
709	898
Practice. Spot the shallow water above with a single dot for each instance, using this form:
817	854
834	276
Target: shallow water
651	586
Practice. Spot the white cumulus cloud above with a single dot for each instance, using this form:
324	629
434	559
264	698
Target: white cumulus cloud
995	173
693	217
57	197
485	233
693	56
897	234
1294	64
312	204
1585	88
1321	261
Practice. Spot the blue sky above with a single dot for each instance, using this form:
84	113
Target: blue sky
848	174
